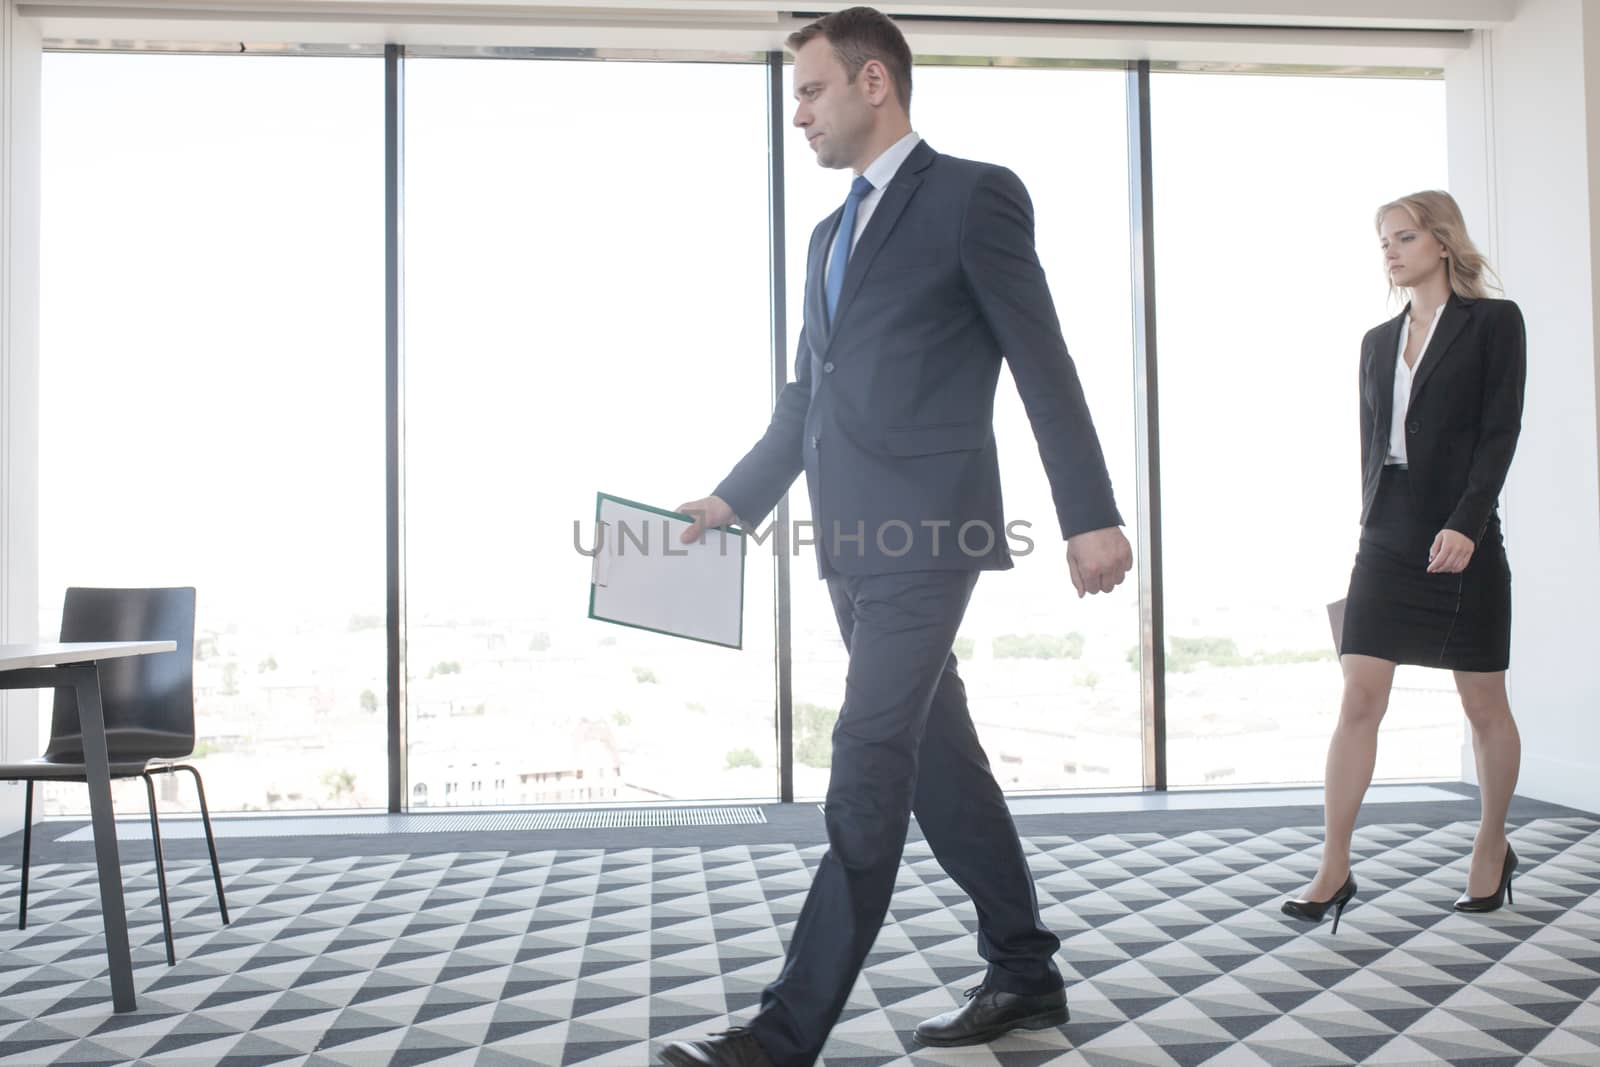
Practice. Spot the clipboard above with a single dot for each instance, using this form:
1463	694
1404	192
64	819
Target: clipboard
1336	623
642	577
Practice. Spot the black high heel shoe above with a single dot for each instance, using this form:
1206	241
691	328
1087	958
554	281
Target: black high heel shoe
1314	910
1501	895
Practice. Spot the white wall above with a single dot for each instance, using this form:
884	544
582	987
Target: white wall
1525	160
428	20
1429	44
19	380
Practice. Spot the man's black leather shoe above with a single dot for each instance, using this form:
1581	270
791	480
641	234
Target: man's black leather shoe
731	1048
991	1012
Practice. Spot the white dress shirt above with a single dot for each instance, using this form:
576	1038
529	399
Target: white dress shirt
1402	385
879	172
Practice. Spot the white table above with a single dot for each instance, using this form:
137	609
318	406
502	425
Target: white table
74	664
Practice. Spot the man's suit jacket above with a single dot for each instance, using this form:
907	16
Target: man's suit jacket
1463	417
892	409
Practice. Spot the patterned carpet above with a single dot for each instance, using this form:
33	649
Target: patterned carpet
1174	952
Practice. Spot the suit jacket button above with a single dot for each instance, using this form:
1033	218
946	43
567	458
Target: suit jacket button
827	368
1412	427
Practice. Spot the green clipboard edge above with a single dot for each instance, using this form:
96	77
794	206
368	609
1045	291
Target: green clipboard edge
599	498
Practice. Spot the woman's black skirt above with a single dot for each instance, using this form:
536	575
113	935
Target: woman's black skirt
1398	611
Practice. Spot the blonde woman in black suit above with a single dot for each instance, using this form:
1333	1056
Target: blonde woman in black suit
1441	407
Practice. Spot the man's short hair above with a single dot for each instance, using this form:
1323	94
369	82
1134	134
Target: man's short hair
860	34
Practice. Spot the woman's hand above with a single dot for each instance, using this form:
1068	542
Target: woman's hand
1450	554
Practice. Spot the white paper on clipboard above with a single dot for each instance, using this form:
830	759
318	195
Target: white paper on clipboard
642	577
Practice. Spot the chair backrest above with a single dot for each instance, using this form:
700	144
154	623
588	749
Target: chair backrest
148	700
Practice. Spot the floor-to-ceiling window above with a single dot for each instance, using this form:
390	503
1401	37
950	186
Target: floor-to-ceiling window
211	396
1268	273
1052	687
586	309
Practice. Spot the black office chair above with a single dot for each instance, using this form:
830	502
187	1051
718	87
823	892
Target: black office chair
149	711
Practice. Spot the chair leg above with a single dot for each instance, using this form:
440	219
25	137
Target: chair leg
27	843
211	842
161	870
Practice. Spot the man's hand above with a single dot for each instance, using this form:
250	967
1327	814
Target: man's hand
1450	554
1098	560
708	513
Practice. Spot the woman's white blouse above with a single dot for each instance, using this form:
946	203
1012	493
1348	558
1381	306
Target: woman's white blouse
1402	385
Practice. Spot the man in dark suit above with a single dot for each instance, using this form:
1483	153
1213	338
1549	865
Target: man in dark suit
916	289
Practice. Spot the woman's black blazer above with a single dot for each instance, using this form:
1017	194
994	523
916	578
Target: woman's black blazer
1464	415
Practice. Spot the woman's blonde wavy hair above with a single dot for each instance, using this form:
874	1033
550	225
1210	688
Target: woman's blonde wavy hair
1438	213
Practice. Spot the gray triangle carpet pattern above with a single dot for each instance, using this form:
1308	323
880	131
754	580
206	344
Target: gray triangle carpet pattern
1173	949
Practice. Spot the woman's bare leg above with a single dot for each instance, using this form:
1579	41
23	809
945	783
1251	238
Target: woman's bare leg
1352	752
1497	749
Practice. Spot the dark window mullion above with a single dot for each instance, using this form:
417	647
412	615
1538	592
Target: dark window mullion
777	250
394	420
1152	624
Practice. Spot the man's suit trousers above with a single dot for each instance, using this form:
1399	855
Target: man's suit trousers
904	742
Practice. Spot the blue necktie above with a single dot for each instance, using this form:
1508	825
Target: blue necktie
843	238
